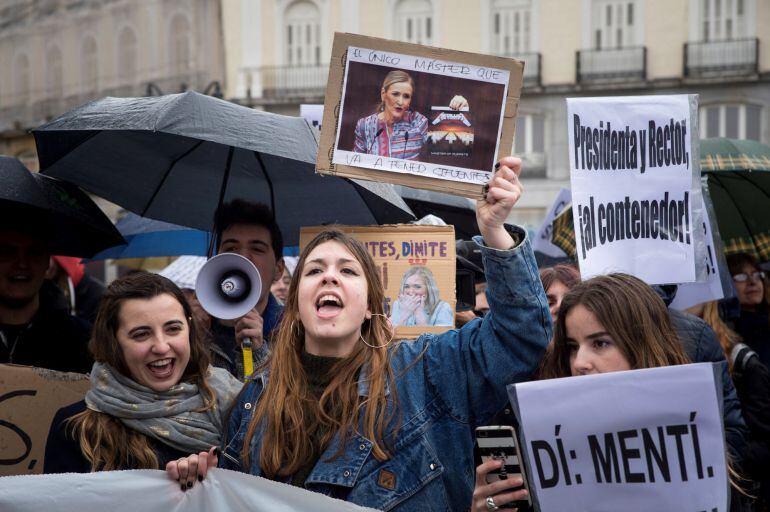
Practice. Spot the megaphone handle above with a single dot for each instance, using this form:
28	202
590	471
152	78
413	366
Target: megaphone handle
248	359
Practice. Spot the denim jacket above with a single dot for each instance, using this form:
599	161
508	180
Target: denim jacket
447	384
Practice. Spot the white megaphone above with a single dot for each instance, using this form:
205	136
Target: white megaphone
228	286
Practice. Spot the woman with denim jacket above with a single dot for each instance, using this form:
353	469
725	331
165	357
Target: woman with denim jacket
342	411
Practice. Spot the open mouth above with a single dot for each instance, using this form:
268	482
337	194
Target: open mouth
162	368
328	305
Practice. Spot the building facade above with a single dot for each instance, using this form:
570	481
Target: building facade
63	53
278	53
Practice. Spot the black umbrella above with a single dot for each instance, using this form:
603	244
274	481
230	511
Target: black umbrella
455	210
59	212
176	158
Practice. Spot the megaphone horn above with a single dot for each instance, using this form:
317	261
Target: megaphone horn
228	286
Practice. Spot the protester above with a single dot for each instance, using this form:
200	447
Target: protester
605	324
81	290
36	328
557	281
395	130
469	258
753	325
418	300
752	382
412	405
153	395
251	231
280	288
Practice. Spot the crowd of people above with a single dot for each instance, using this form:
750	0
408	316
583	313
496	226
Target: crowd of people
336	405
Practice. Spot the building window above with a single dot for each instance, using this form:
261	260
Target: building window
302	33
529	141
54	74
722	20
511	27
613	24
21	87
89	66
414	21
127	56
732	120
179	55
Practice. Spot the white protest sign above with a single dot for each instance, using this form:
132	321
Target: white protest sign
647	439
154	491
691	294
313	114
542	241
636	187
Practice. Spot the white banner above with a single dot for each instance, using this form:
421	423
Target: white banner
691	294
154	491
636	440
542	241
636	186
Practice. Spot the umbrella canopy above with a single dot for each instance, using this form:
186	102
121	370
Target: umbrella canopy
177	157
147	238
60	212
455	210
563	232
738	173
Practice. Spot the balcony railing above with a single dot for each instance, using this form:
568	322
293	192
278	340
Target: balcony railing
532	67
721	58
615	65
286	82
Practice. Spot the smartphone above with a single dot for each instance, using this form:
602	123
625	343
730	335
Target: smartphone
498	442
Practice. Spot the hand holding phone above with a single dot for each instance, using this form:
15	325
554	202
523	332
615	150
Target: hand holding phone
500	481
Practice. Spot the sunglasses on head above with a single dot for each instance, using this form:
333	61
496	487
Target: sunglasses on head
743	277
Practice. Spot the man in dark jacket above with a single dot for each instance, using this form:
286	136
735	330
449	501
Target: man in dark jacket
33	330
249	230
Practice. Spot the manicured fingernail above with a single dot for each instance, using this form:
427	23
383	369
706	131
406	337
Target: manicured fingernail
485	189
217	451
200	478
497	165
184	488
189	485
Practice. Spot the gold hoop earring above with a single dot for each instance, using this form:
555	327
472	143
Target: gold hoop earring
385	345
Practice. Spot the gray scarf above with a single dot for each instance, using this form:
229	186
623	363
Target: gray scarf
171	416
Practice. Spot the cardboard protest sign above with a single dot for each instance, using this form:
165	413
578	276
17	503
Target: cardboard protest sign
635	173
542	241
417	269
29	399
718	283
615	441
434	143
153	491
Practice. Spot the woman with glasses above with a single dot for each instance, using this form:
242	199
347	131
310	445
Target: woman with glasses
751	288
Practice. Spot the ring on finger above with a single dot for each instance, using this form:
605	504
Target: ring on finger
491	505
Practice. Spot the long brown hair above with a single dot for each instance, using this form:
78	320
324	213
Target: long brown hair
635	317
104	440
726	336
287	410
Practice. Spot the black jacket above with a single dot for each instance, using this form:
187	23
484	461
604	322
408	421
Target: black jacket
752	381
53	339
63	454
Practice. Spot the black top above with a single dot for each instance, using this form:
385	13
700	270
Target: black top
63	453
318	370
754	328
53	339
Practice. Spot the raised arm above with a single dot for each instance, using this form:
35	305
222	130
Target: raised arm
469	368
